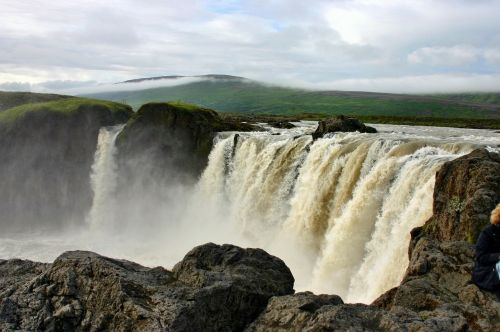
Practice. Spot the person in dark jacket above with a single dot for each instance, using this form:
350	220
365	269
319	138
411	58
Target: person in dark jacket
486	272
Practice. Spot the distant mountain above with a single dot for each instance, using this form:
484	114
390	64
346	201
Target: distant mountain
239	95
173	77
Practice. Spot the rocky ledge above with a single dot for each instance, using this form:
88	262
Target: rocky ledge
226	288
214	288
341	123
170	138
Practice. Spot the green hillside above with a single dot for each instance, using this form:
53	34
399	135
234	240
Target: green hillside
64	106
475	98
249	97
13	99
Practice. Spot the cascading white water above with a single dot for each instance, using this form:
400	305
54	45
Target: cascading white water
339	210
103	178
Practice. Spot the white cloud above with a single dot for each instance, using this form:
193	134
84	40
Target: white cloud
445	56
315	41
442	83
492	56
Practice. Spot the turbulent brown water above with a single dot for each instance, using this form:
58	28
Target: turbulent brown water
338	210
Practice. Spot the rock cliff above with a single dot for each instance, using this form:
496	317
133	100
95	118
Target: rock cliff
47	150
170	138
214	288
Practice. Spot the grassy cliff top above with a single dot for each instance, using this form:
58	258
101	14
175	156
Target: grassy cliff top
65	106
177	105
14	99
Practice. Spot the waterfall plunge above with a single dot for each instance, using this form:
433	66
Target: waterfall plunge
339	210
103	178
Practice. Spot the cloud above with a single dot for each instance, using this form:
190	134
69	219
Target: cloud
445	56
93	87
317	41
423	84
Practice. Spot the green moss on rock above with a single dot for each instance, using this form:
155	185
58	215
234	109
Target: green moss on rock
116	111
13	99
171	138
47	151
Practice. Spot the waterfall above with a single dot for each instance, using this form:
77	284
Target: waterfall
338	210
103	178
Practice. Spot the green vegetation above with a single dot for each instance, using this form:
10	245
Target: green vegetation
13	99
474	98
243	96
65	106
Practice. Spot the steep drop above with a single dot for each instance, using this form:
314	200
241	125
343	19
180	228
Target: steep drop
339	210
103	178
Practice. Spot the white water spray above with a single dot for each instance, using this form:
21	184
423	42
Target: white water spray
103	178
339	210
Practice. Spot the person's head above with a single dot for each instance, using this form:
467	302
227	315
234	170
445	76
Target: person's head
495	216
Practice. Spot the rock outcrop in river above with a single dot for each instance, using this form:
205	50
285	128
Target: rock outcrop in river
341	123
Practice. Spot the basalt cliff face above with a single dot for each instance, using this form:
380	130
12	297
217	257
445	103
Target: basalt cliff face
47	150
170	138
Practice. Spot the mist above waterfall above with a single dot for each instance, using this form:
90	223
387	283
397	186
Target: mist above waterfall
338	210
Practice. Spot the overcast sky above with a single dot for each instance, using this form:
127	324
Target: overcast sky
374	45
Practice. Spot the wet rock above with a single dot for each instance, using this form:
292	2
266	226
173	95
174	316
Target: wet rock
281	124
467	189
47	152
309	312
443	290
215	288
170	138
341	123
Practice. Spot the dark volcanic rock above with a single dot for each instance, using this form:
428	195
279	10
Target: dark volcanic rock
438	284
170	138
281	124
438	279
309	312
46	157
467	189
341	124
215	288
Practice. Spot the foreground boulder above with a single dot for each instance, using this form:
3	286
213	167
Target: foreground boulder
341	123
214	288
170	138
